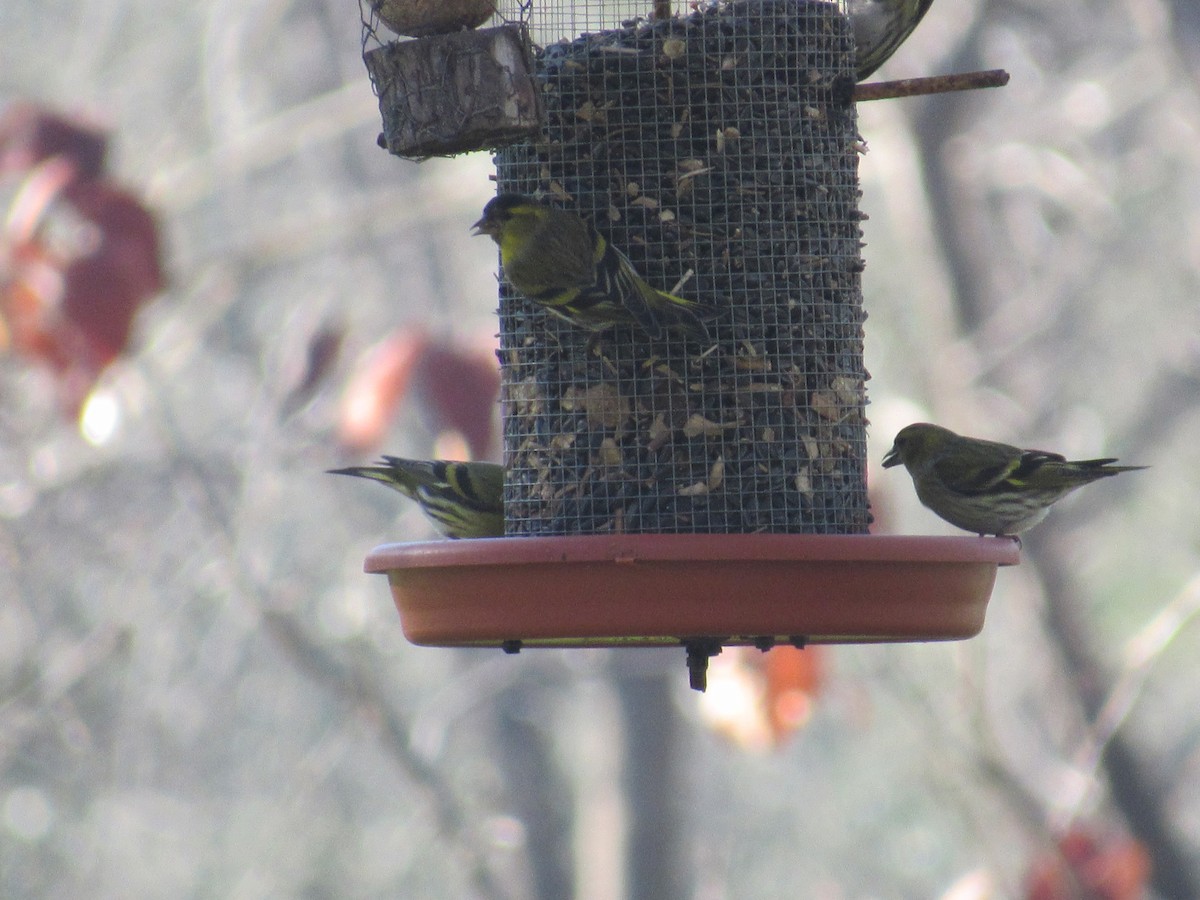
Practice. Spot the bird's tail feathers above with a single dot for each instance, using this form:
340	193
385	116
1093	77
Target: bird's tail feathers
688	316
405	475
1085	470
1113	470
385	474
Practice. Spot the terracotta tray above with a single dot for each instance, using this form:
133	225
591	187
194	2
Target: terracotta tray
629	590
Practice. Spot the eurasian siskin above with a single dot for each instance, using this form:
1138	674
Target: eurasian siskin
880	27
462	499
561	262
987	487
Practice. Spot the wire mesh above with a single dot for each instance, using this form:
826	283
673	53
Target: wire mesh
718	150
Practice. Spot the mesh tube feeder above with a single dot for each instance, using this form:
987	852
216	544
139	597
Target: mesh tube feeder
678	491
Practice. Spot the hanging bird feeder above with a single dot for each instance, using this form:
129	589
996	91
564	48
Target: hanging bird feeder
676	491
450	89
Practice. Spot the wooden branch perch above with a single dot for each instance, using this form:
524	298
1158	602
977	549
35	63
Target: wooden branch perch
936	84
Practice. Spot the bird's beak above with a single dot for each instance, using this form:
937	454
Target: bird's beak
892	458
480	227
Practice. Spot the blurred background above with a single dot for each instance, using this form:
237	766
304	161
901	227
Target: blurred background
202	695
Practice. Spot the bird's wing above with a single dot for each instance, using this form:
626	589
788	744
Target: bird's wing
553	259
620	279
478	485
467	501
1030	464
411	473
967	476
487	482
990	467
576	252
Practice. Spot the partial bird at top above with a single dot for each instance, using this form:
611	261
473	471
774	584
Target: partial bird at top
880	27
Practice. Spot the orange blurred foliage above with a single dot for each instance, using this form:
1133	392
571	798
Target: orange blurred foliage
1088	865
455	386
78	255
758	700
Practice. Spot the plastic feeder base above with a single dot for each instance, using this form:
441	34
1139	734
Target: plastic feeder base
672	590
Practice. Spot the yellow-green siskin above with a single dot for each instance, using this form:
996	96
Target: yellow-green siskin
986	487
561	262
880	27
462	499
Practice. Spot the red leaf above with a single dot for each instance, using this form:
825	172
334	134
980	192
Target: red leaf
758	700
793	679
31	133
456	388
1089	865
378	384
83	256
320	356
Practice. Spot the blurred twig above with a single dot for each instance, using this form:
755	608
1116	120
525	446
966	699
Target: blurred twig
56	676
356	689
350	684
281	136
1134	790
1141	652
